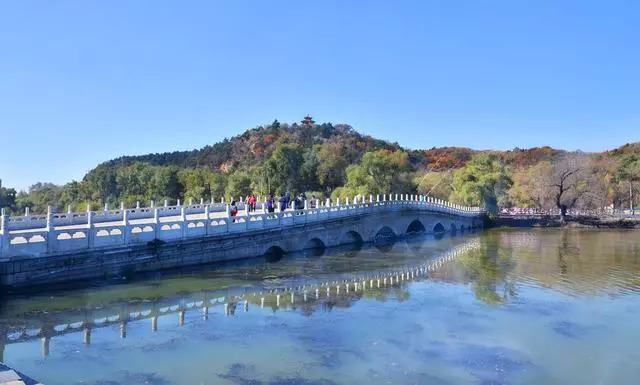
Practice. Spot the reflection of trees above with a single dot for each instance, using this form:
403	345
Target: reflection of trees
566	249
487	268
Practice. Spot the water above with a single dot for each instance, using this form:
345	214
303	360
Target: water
498	307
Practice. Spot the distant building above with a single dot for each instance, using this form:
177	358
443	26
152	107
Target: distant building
308	120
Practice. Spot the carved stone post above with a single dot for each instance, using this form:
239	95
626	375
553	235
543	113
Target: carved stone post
156	223
207	220
125	226
183	222
51	239
3	230
90	237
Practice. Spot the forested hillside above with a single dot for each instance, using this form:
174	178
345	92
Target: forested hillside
335	160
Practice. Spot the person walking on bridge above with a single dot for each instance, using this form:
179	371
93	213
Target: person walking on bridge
233	210
284	201
270	203
252	202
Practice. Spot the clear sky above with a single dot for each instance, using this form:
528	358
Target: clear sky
85	81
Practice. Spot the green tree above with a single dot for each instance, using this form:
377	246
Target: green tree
217	185
435	184
73	194
40	196
101	184
195	184
332	165
7	198
238	185
483	181
133	183
380	172
165	183
528	188
308	171
282	170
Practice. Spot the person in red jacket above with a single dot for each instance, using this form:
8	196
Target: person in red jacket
252	202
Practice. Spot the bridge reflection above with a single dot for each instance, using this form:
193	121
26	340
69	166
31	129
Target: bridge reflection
305	294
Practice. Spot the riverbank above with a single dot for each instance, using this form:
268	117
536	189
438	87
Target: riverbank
555	221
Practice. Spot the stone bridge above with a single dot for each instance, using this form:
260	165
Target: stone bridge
61	247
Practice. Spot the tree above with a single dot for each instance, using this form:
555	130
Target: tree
332	165
217	184
73	194
165	183
134	183
629	171
380	172
435	184
102	184
308	171
41	195
195	184
527	189
566	183
282	170
483	181
7	198
238	185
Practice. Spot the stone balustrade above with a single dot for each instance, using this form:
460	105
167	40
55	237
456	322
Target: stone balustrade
54	233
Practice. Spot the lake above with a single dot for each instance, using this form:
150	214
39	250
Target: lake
543	306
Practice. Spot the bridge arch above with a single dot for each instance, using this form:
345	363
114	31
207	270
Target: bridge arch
314	243
385	232
438	228
274	253
453	229
415	227
351	237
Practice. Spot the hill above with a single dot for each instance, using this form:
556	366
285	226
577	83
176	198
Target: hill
323	159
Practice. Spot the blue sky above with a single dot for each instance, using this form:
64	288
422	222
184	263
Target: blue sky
85	81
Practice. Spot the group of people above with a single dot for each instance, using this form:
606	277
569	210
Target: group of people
284	202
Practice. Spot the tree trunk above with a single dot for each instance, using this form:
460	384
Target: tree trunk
563	213
631	198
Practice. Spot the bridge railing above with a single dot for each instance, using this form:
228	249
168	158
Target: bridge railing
58	233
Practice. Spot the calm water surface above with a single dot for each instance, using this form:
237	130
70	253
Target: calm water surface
498	307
